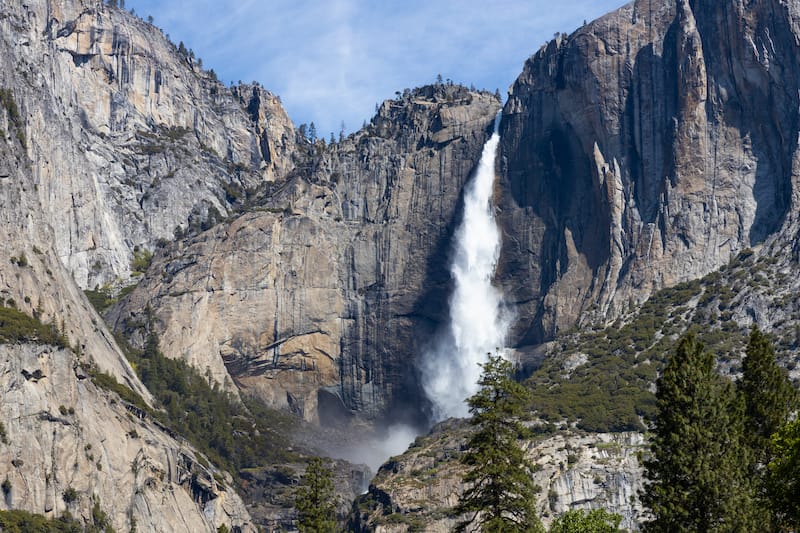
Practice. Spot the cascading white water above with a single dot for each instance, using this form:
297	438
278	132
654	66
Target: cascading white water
450	371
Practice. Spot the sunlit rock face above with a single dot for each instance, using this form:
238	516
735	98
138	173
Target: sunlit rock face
321	299
61	434
130	140
645	149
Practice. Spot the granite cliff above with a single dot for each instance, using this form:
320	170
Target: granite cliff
68	444
129	140
647	148
341	271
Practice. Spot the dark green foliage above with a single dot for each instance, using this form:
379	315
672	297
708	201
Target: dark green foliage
101	298
70	495
783	478
100	521
611	391
769	396
579	521
25	522
696	479
3	435
315	499
6	486
10	105
16	326
501	495
770	399
110	383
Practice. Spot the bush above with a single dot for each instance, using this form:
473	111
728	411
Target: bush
141	261
70	495
16	326
23	522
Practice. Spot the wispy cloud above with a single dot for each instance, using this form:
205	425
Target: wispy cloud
331	61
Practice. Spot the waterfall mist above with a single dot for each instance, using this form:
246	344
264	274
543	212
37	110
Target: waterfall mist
450	369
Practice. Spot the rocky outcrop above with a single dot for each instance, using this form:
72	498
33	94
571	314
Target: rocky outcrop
69	444
131	141
420	488
341	271
645	149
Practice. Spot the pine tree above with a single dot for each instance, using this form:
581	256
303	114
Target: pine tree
696	477
502	495
783	478
315	501
769	396
769	399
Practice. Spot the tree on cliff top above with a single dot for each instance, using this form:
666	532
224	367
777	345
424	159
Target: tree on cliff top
502	495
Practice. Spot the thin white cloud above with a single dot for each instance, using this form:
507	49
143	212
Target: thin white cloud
332	60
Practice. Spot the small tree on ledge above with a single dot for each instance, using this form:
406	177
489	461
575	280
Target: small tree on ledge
315	499
502	494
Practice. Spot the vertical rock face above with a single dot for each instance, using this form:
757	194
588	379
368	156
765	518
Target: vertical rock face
59	430
645	149
130	140
320	300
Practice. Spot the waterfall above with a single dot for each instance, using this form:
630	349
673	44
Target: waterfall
451	368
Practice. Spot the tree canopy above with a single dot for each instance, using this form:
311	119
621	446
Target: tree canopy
695	479
315	501
501	495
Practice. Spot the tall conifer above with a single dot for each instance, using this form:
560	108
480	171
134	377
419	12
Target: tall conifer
769	396
695	476
769	399
315	499
502	495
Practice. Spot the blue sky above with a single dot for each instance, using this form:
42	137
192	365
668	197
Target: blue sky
331	61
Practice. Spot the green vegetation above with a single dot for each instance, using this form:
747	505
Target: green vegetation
100	520
595	521
611	390
101	298
697	477
769	400
110	383
783	478
233	435
25	522
70	495
141	261
315	499
16	326
10	105
501	495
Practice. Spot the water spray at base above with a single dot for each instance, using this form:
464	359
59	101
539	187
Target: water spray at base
451	369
